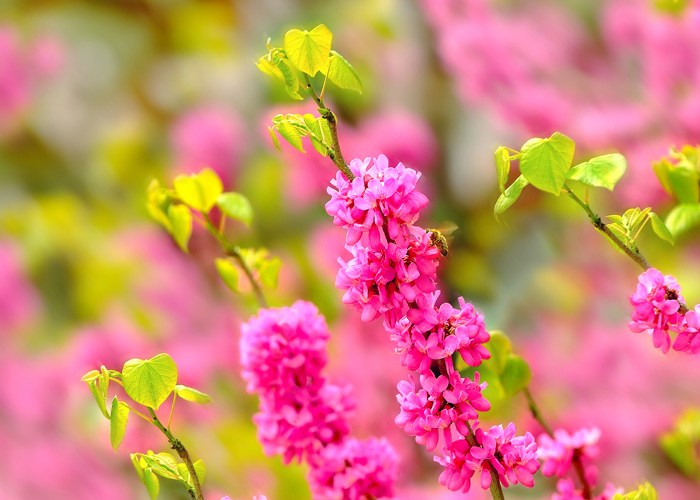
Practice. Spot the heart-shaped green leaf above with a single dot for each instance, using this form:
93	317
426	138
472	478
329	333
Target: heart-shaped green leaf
544	162
510	196
236	206
180	219
309	50
342	73
516	375
602	171
199	191
149	382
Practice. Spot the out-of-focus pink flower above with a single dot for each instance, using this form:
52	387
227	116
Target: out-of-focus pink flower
209	137
22	69
354	469
19	301
656	304
558	452
566	490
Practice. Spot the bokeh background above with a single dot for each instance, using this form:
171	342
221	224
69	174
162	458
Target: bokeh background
99	97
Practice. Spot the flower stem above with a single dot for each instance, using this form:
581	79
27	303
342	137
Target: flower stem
336	155
495	488
234	251
576	459
196	490
632	253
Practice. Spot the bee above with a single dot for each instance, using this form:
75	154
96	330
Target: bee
438	236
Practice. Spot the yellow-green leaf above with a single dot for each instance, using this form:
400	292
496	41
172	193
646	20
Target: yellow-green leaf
190	394
149	382
544	162
660	228
180	219
502	157
228	272
308	50
199	191
117	422
101	403
341	73
236	206
269	272
152	483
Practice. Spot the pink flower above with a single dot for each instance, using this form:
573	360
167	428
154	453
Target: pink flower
354	469
688	340
558	452
513	457
284	347
567	491
656	304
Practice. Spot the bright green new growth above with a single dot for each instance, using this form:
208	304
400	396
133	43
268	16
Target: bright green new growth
151	465
149	382
645	492
679	174
236	206
199	191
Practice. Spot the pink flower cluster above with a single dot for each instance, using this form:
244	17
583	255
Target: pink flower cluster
657	310
393	274
355	469
303	416
393	261
558	451
513	457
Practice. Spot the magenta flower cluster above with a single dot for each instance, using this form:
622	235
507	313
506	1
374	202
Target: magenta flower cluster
557	453
392	274
302	415
657	311
513	457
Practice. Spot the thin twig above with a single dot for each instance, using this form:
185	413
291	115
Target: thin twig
233	251
576	459
177	445
632	253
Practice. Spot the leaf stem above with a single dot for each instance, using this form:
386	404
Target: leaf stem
172	410
177	445
137	412
233	251
576	459
336	155
632	253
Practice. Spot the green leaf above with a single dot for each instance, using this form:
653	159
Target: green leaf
90	376
502	157
275	140
291	134
510	196
229	273
341	73
290	78
308	50
151	482
265	65
190	394
645	492
602	171
500	348
236	206
149	382
662	169
660	228
180	219
199	191
544	162
137	465
684	183
682	218
200	469
516	375
101	403
269	272
117	424
103	382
